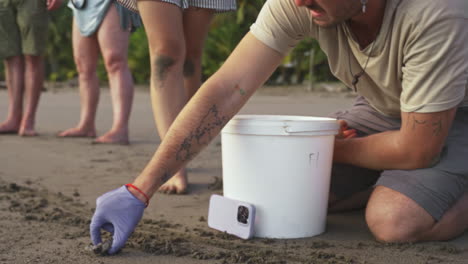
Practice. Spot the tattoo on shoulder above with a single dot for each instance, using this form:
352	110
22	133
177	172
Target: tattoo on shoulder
209	126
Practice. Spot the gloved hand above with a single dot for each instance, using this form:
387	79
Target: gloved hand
117	212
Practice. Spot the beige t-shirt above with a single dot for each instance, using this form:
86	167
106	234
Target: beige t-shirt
419	62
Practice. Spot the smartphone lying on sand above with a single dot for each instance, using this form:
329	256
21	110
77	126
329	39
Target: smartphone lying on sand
231	216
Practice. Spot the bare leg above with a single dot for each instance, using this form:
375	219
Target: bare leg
196	24
164	28
113	41
393	217
86	52
34	81
14	69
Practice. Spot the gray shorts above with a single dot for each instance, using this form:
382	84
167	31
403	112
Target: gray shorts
218	5
435	189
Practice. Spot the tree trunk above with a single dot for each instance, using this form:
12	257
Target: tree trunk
311	71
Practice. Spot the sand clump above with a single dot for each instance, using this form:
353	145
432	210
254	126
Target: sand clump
160	237
101	248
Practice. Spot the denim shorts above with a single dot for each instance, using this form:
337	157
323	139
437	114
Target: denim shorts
435	189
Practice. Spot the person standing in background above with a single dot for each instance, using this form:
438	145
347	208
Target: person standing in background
104	27
23	37
176	31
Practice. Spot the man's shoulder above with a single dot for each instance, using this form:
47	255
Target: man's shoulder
436	9
284	6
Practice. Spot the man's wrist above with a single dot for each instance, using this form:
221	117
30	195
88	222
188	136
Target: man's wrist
138	193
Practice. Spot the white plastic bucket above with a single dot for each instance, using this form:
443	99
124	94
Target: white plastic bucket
281	165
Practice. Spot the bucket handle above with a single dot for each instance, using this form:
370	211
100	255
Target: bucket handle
289	129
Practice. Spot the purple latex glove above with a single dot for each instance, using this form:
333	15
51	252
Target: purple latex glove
117	212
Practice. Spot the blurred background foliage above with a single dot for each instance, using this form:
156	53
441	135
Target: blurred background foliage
226	31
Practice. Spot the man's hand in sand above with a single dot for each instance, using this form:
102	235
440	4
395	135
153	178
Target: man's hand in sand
117	212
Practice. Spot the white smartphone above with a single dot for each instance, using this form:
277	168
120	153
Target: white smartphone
231	216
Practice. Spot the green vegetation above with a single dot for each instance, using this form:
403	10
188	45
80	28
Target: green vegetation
227	30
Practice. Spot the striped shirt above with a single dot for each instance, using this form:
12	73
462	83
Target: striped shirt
218	5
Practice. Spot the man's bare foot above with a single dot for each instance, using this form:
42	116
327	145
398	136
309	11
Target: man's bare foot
113	138
176	185
28	133
78	132
9	128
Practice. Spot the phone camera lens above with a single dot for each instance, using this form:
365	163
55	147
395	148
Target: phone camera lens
242	214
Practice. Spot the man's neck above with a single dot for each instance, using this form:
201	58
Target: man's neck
366	26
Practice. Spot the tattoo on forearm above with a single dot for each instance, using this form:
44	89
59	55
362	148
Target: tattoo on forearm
212	121
241	91
210	124
184	152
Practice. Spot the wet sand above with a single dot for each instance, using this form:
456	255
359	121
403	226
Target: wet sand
48	188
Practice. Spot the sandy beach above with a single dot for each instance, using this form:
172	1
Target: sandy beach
48	188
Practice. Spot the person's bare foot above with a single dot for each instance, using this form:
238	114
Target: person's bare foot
28	133
176	185
78	132
9	127
113	138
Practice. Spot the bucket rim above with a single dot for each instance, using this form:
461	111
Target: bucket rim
281	125
281	118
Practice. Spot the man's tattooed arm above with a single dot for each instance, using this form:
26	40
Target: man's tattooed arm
209	127
166	176
435	125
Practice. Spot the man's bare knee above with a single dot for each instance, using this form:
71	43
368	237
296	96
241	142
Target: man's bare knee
393	217
388	228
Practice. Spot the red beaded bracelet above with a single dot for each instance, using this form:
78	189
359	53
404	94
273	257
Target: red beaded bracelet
140	191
